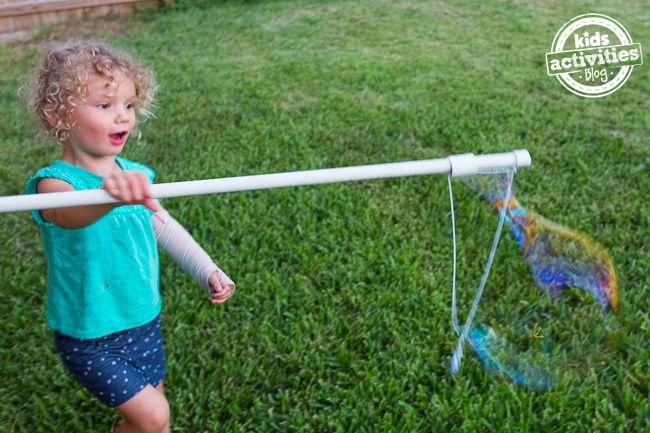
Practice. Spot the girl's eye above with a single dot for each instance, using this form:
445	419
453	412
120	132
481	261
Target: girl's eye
103	106
129	106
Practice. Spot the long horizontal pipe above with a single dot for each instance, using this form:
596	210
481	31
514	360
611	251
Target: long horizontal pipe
456	165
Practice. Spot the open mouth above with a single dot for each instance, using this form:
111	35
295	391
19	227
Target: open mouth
119	138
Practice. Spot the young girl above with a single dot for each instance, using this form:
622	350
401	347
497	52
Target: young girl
103	297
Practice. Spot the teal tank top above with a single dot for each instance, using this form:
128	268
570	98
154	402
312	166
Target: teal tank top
103	278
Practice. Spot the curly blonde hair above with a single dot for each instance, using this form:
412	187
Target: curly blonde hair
63	79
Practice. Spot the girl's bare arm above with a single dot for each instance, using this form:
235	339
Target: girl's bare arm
130	187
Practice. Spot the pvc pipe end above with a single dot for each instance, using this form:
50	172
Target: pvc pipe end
522	158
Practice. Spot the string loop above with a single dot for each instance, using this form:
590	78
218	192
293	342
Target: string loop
462	333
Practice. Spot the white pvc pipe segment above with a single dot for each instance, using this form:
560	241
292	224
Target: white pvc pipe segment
456	165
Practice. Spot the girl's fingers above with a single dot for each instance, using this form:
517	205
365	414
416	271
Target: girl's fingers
152	205
130	187
220	293
216	286
122	186
144	185
138	184
223	294
135	186
110	185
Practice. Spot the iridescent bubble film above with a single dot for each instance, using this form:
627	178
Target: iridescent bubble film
560	330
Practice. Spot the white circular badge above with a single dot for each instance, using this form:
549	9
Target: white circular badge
593	55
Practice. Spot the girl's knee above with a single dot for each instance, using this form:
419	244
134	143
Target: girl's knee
156	418
147	412
153	421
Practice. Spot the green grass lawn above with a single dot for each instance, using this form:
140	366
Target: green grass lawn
341	321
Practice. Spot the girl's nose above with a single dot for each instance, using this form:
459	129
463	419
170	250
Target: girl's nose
122	116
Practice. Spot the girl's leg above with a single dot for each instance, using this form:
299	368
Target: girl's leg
146	412
160	389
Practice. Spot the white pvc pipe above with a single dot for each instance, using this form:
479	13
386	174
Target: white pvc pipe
456	165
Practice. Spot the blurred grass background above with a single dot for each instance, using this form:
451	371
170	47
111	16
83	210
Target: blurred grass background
341	321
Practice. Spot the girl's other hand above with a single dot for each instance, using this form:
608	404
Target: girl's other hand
131	187
220	294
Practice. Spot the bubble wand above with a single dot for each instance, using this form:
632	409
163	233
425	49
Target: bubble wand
455	166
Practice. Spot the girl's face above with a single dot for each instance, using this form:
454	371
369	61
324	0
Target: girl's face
101	124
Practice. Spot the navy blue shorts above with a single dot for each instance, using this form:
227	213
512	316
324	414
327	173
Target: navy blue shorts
116	367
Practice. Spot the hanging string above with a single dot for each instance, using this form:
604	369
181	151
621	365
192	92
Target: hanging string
454	313
462	333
